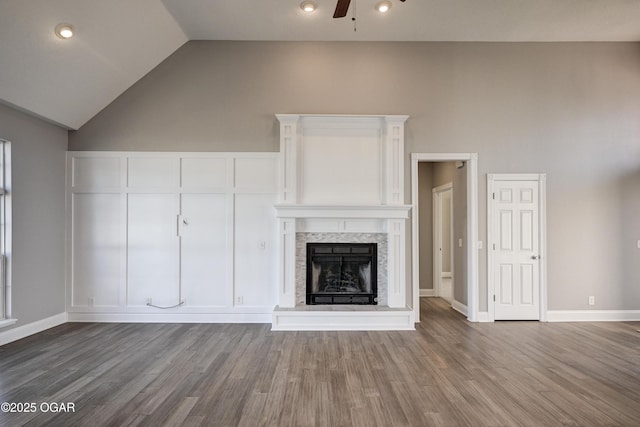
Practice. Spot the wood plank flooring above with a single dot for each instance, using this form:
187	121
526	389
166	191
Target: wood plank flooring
447	373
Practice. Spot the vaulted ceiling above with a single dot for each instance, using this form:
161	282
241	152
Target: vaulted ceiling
118	41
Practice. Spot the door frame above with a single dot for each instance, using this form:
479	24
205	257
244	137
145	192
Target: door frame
437	193
542	236
471	159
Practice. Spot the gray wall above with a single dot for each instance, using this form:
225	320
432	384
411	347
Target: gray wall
38	230
566	109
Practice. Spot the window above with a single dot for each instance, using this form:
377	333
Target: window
5	232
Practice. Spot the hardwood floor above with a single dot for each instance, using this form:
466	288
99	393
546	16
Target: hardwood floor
449	372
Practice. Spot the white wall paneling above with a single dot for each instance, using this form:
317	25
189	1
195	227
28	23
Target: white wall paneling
96	172
255	249
206	174
96	262
157	173
205	258
153	256
197	228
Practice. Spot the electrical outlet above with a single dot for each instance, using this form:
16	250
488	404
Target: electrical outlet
149	301
239	300
262	245
592	300
183	301
92	301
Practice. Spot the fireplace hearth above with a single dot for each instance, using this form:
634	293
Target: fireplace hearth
341	273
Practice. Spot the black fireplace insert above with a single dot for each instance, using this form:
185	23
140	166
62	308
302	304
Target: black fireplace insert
342	273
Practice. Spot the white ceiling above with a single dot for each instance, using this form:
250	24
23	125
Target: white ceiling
414	20
119	41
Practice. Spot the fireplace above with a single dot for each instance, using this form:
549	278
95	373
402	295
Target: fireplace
341	273
341	185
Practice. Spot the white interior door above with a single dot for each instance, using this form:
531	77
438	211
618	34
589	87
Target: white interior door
443	238
515	248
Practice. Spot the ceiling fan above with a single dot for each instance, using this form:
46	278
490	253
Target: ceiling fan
342	7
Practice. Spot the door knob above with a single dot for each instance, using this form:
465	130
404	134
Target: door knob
535	257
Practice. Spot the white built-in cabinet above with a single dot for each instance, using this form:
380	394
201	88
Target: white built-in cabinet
166	228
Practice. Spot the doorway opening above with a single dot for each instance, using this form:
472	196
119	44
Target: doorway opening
465	292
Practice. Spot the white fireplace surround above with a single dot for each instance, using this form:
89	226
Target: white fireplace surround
342	174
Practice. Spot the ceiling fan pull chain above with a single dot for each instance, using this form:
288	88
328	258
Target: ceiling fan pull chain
354	16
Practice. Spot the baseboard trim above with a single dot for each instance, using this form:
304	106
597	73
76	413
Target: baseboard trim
5	323
171	317
337	320
593	315
427	293
24	331
483	317
459	307
389	321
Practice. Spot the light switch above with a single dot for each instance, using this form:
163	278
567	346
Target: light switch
459	243
638	244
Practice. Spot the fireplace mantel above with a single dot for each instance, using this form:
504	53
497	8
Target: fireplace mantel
343	174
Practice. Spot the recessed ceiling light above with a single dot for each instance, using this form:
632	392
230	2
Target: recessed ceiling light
383	6
64	31
308	6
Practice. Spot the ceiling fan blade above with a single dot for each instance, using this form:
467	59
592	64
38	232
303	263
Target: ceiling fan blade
341	8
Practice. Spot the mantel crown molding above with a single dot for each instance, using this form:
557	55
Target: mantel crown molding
329	117
343	211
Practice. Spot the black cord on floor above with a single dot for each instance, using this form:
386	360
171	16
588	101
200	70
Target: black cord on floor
165	308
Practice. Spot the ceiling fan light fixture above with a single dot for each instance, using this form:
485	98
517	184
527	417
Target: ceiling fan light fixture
383	6
64	31
308	6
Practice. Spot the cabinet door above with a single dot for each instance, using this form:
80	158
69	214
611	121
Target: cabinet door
205	255
153	250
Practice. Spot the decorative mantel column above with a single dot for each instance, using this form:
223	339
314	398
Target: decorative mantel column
339	174
289	130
